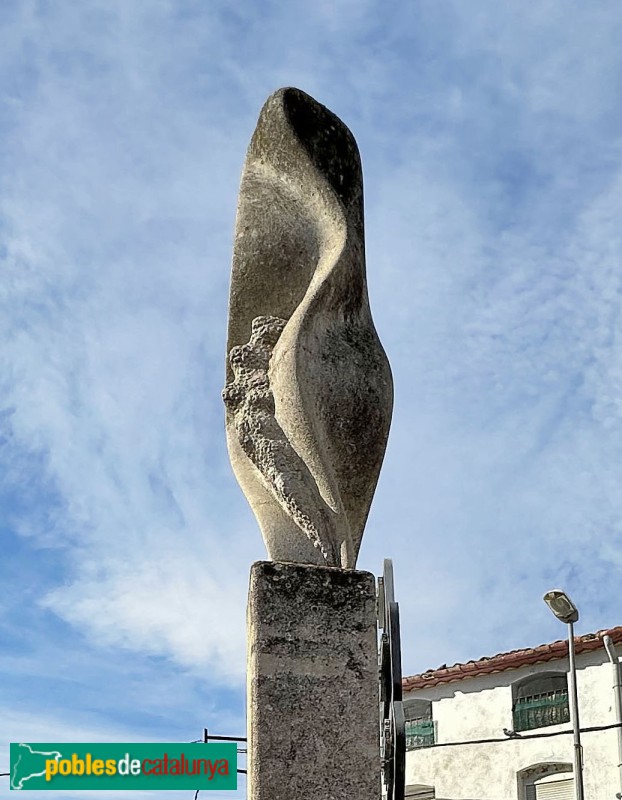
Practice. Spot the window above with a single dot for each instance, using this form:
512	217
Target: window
540	700
420	730
546	781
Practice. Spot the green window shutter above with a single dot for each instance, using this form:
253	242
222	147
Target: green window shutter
540	710
420	733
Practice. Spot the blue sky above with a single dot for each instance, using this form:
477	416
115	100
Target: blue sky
491	140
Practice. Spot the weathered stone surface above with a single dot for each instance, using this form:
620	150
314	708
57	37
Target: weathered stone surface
309	392
312	684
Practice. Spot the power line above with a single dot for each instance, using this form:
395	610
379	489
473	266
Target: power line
521	736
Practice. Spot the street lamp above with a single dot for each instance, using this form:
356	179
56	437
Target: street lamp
566	611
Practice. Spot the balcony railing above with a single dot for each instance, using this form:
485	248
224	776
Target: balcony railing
419	733
540	710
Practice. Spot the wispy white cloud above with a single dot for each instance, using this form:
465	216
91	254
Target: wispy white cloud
112	350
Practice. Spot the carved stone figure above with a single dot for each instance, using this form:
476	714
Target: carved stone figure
309	392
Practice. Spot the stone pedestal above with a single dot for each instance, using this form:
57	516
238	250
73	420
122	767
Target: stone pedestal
312	684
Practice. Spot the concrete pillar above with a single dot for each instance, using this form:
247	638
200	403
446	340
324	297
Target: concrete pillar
312	684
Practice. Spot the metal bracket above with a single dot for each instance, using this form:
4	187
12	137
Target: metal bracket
392	726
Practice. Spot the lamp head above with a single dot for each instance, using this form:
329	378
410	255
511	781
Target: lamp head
561	605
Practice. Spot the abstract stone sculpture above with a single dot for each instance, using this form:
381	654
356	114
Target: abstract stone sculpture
309	392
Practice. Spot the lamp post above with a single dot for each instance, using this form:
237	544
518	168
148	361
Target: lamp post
566	611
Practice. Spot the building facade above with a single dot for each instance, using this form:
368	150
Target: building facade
500	728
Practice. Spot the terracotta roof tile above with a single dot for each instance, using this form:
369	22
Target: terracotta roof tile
512	660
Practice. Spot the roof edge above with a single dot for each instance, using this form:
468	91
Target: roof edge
510	660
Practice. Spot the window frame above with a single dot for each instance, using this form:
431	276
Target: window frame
422	723
545	705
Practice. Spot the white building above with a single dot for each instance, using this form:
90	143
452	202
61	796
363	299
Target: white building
456	717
